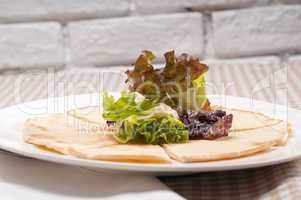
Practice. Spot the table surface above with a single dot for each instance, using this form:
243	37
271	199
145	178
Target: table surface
263	81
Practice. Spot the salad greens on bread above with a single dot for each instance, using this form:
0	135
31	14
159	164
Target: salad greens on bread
157	128
144	120
165	105
128	104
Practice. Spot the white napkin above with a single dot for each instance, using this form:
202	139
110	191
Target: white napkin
33	179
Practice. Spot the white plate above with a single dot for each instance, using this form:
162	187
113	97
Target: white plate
12	119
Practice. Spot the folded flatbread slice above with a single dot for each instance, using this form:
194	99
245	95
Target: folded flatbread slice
92	114
60	132
124	153
211	150
237	144
247	120
276	135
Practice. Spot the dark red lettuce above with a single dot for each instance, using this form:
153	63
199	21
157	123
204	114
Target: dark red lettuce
180	83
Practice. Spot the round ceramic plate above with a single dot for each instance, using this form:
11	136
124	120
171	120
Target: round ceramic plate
12	119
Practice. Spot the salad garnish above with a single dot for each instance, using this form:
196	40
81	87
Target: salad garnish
165	105
127	105
139	120
158	128
180	84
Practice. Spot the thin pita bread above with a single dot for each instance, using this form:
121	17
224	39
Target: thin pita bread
71	136
59	132
81	134
237	144
124	153
247	120
92	114
276	135
210	150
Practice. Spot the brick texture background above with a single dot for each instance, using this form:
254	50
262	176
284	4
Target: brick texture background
99	33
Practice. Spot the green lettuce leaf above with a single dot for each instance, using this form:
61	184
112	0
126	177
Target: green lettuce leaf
158	128
143	121
195	97
125	106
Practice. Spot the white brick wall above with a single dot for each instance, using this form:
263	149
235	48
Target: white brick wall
260	31
81	33
285	1
163	6
31	45
60	10
258	61
119	41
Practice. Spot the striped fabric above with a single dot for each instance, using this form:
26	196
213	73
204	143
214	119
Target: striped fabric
267	82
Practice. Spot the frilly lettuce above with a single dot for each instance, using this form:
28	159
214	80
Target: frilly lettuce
143	121
180	84
159	128
128	104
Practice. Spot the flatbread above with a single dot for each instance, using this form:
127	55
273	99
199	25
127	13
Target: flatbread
276	135
92	114
237	144
60	132
71	136
247	120
83	133
211	150
124	153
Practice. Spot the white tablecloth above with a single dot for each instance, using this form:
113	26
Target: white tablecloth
22	178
